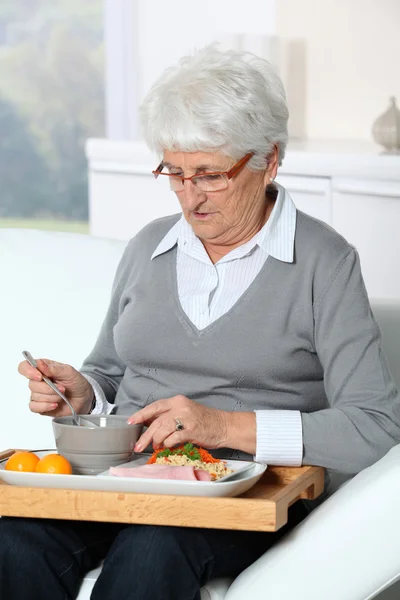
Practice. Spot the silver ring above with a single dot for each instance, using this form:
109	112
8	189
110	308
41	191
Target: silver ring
179	425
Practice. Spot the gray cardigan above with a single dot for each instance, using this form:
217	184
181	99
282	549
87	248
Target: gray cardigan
302	337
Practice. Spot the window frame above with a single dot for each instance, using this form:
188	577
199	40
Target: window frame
121	69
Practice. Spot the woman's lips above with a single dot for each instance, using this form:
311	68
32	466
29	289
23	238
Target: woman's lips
203	216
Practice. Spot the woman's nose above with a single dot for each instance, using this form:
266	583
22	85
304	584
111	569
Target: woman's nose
191	196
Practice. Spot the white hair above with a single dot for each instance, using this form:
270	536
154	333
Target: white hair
214	101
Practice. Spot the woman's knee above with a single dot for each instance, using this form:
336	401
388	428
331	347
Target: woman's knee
19	541
169	548
157	562
151	540
27	550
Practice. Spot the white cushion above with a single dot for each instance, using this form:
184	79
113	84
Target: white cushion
55	290
347	549
88	583
214	590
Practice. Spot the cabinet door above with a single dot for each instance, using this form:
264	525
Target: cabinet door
121	204
367	214
312	195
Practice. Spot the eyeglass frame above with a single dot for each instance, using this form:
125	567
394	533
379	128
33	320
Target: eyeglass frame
235	170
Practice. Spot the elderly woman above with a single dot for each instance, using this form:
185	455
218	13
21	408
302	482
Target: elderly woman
241	325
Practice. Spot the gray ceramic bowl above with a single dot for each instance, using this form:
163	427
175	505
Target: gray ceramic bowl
91	451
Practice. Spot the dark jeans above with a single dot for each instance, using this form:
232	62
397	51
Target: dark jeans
46	560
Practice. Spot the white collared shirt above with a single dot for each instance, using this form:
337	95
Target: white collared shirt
207	291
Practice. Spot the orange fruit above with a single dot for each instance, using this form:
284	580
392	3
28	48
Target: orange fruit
22	461
54	463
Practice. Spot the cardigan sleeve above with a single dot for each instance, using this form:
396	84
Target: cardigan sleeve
363	419
103	365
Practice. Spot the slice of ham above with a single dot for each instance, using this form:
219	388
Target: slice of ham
155	471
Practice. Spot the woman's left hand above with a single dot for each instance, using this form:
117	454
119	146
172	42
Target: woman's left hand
201	425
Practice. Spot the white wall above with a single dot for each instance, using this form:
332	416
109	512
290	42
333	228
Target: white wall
169	30
338	58
340	63
143	37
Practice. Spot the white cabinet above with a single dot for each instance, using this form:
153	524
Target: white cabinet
121	204
312	195
367	214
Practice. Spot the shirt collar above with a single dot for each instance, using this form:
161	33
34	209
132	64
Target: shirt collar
276	238
169	240
278	233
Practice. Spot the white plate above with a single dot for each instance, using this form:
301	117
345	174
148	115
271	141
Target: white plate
109	483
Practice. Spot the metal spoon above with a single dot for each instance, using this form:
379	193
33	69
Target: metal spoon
78	420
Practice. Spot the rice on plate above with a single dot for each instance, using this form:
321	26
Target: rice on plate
193	456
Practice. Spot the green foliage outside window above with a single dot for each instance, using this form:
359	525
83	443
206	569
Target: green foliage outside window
51	100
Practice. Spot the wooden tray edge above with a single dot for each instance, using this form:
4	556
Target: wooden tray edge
259	513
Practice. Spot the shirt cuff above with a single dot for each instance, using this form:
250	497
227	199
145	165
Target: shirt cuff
102	407
279	437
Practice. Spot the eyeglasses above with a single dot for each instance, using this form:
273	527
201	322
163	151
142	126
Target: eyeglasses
206	182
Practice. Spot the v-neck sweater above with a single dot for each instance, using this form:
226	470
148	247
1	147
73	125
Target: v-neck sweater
301	338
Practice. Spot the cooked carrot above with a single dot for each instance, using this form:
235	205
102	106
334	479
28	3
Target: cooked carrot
207	457
189	450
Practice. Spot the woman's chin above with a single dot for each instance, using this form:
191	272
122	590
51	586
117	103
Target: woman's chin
202	217
205	228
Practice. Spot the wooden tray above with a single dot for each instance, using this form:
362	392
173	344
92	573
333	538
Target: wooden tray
263	508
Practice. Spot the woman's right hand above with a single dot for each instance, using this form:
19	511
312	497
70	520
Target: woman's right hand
68	380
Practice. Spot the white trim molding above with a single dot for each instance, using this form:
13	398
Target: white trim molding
368	187
122	73
347	160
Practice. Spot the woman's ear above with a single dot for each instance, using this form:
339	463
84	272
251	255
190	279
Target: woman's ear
272	165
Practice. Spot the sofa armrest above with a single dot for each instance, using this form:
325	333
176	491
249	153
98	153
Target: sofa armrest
346	549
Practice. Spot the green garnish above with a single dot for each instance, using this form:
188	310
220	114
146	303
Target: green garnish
187	450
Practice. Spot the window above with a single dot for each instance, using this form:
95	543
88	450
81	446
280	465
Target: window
51	101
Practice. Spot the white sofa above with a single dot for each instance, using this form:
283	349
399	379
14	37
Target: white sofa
54	292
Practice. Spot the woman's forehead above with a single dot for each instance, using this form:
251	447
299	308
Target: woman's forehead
196	160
